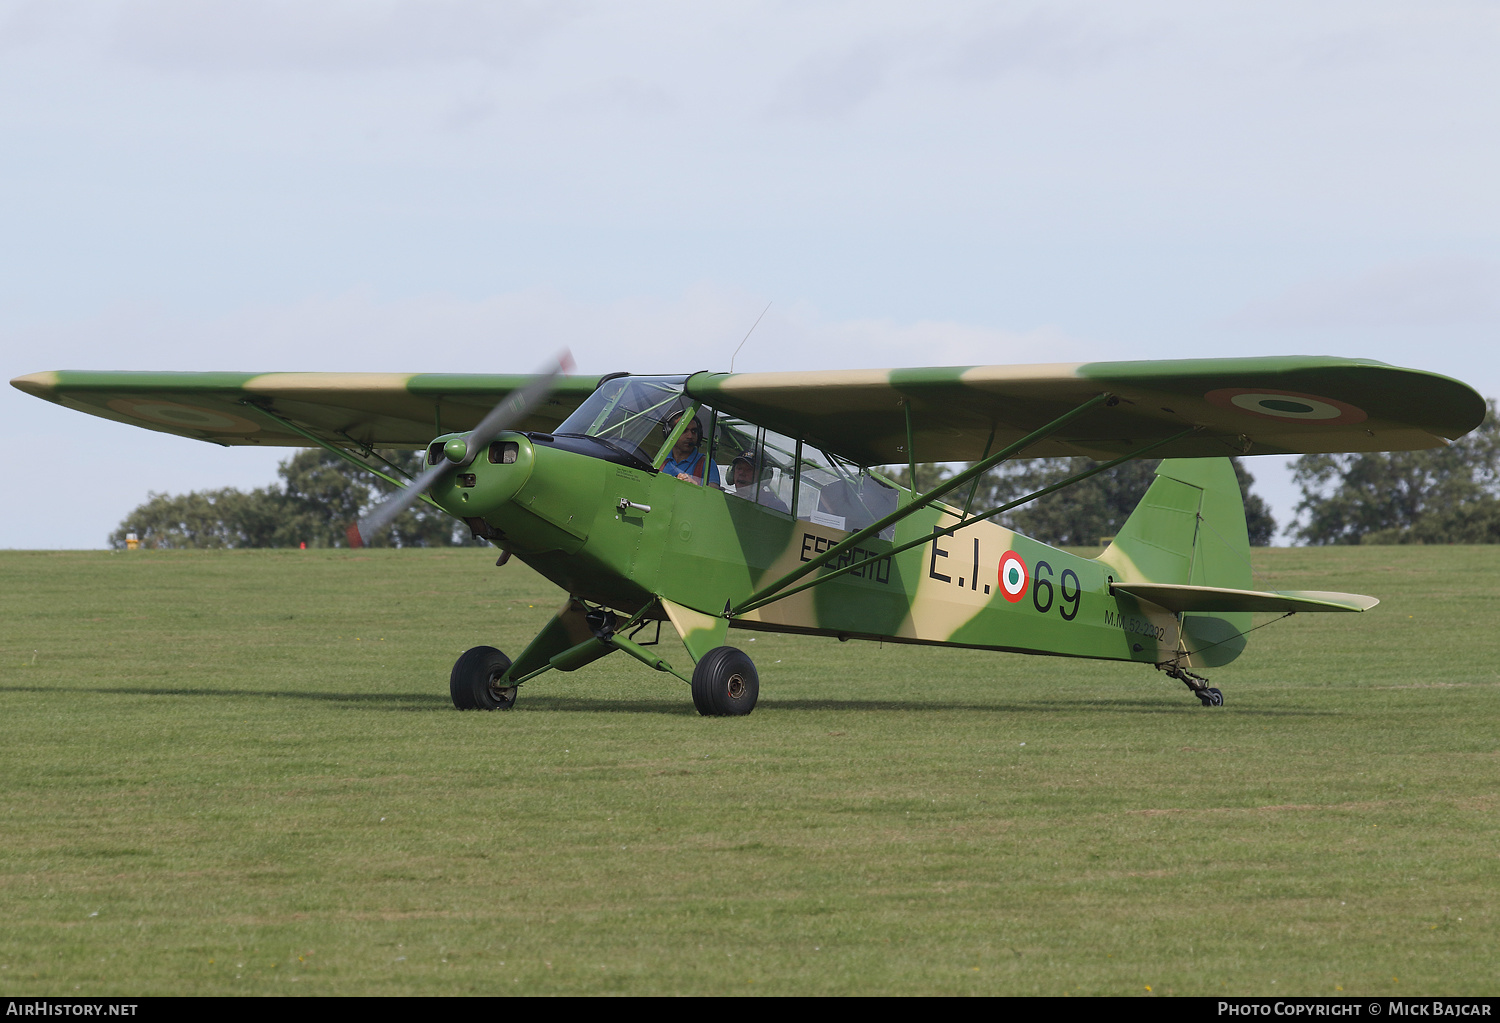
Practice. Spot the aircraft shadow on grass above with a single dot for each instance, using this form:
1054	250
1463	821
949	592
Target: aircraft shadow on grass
423	702
389	701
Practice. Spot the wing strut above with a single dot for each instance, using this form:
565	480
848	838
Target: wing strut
343	453
775	591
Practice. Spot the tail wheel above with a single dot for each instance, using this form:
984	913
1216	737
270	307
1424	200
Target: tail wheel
725	683
474	684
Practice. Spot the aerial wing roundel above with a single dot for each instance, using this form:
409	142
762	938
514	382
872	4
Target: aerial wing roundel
193	417
1287	405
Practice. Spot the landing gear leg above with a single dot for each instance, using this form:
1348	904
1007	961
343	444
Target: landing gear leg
1197	683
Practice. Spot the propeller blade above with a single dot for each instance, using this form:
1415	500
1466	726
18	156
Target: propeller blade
511	409
400	501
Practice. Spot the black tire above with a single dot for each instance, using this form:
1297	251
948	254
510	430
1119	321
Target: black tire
1211	698
472	684
725	683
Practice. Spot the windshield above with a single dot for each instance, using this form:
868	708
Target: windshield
631	414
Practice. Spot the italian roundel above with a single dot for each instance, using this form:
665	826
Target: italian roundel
1287	405
1013	577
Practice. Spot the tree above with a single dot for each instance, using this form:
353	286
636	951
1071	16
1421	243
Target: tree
929	475
1084	513
318	497
211	518
1449	494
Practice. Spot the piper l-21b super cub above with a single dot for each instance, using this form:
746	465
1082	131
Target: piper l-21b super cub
770	515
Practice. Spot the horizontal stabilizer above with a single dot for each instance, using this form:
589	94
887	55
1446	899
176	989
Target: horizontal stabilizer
1218	598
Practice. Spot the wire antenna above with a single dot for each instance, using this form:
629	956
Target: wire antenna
736	354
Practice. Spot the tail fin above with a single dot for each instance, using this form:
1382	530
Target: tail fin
1190	529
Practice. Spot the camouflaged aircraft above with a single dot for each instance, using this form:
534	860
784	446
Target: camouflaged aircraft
754	500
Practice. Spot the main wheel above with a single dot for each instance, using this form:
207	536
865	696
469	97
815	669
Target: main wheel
725	683
473	682
1211	697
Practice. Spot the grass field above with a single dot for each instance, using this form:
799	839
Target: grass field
240	773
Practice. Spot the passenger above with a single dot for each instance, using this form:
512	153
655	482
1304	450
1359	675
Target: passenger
686	462
743	474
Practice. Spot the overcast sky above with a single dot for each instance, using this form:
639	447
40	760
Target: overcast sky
466	185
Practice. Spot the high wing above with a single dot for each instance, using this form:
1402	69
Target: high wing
1285	405
388	410
1277	406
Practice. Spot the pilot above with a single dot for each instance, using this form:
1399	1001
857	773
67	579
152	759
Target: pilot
686	462
743	475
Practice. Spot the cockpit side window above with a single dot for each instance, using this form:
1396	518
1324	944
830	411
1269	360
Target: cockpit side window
797	478
757	464
833	492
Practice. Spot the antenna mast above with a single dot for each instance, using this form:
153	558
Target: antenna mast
736	354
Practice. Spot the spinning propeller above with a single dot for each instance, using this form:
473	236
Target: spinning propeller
460	451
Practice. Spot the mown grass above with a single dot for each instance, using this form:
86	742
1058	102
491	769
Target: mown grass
239	772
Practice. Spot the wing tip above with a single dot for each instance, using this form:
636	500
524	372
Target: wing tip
41	384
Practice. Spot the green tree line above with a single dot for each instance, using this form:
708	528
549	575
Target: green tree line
1449	494
315	499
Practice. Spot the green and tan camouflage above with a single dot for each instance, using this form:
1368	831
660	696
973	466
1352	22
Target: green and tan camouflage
786	523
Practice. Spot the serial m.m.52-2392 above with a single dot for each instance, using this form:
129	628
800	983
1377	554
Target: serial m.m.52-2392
753	500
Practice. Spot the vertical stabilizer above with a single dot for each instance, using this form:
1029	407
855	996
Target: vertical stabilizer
1190	529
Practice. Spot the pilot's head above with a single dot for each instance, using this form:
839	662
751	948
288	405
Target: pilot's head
692	435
